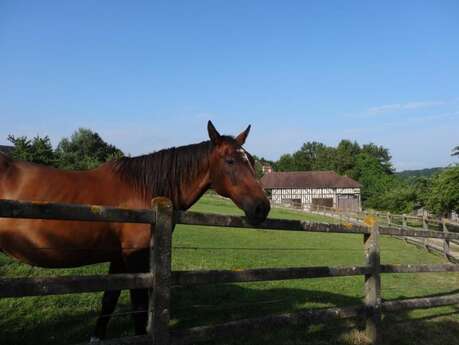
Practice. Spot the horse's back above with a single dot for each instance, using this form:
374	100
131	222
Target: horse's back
21	180
8	176
60	243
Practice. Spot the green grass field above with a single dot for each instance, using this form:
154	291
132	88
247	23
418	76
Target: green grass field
70	319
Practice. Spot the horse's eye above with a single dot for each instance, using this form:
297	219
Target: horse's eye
229	161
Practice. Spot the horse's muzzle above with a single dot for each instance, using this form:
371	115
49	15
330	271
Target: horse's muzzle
258	214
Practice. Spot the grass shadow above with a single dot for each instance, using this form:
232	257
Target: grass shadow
209	305
63	326
429	326
221	303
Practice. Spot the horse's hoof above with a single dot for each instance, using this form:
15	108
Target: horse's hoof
94	340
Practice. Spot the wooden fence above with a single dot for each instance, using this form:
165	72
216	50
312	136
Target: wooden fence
160	279
447	248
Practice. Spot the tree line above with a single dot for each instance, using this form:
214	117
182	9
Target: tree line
369	164
84	149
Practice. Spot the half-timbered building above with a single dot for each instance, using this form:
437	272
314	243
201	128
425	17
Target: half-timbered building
307	189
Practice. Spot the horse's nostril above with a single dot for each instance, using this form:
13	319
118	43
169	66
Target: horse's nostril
261	210
258	213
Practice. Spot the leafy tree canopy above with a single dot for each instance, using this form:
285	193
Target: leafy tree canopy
342	158
444	195
286	163
375	181
85	149
37	150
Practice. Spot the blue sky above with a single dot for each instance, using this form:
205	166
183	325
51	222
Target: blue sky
148	75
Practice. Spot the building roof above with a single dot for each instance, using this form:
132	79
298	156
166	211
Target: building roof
307	179
6	149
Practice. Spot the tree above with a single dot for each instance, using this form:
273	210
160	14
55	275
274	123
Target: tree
326	159
423	186
285	163
308	154
301	161
315	156
85	150
37	150
381	154
375	182
399	197
444	196
346	153
311	156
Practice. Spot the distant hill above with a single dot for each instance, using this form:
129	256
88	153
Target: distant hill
6	149
419	173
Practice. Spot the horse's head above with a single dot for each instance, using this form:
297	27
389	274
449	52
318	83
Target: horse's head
232	174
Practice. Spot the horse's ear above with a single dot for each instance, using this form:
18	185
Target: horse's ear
214	136
243	136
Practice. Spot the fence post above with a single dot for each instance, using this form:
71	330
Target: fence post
160	267
389	218
445	241
373	283
425	224
404	223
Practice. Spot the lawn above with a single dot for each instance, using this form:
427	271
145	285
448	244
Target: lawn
70	319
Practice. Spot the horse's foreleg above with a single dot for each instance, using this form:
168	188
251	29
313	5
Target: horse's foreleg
138	263
139	300
109	301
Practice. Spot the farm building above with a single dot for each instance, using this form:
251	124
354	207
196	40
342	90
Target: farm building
307	189
266	169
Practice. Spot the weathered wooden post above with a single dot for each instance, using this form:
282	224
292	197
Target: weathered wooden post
160	267
389	218
445	241
425	226
404	223
373	282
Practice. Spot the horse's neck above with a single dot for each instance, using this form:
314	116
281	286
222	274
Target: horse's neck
181	174
190	192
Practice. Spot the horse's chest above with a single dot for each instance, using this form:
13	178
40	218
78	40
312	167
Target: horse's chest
134	237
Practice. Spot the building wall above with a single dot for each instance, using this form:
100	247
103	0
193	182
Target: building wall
279	196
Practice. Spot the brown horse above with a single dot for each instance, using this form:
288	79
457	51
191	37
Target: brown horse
182	174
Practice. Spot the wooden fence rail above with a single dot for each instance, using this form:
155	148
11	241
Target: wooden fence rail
425	222
93	213
160	280
24	287
447	247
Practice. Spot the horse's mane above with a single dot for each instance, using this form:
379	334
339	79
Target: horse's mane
162	173
4	156
5	161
